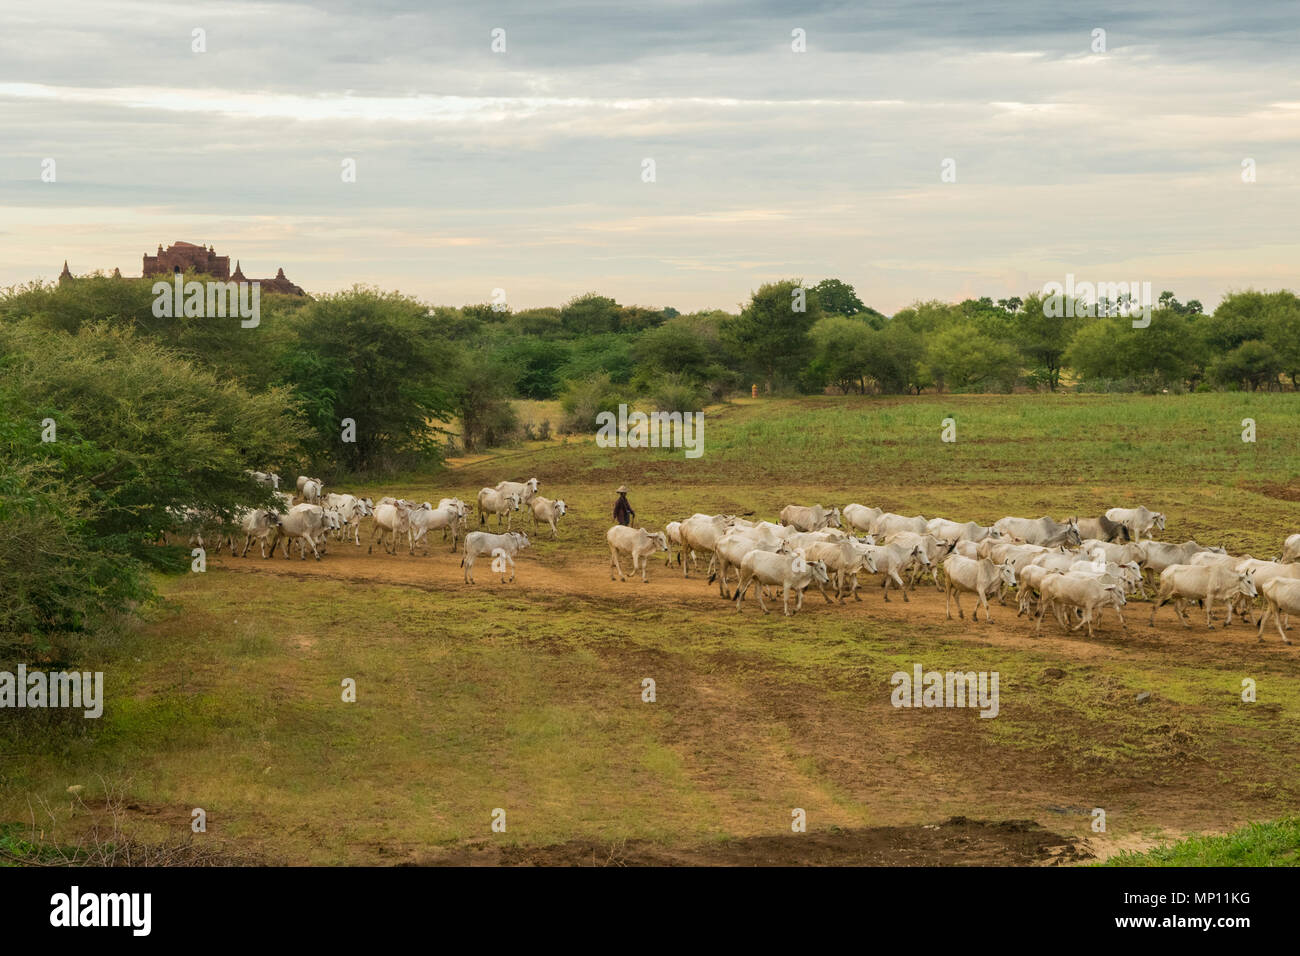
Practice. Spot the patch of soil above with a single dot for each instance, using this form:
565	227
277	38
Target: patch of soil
955	842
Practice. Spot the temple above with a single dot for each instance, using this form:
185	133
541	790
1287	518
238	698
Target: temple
187	257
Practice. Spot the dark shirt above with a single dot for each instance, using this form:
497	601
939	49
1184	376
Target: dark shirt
623	512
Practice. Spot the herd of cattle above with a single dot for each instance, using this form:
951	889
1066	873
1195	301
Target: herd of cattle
1075	569
312	516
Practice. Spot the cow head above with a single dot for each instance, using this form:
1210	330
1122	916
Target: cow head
660	539
919	554
833	519
1246	583
521	539
561	508
516	500
819	572
1008	573
533	484
1072	533
1160	520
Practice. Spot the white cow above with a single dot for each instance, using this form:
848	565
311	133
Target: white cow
787	571
860	517
524	489
549	511
502	548
491	501
392	517
1181	583
980	577
1138	521
303	523
1291	549
1281	596
448	517
813	518
637	543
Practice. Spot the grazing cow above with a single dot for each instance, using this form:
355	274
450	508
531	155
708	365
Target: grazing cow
1103	529
637	543
420	521
861	518
953	531
1138	521
980	577
1086	593
260	524
1041	531
524	489
1188	582
391	518
813	518
502	548
303	523
491	501
1281	596
700	534
787	571
549	511
1290	549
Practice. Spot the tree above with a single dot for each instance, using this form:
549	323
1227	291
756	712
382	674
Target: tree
1043	336
962	358
387	373
771	333
839	298
590	314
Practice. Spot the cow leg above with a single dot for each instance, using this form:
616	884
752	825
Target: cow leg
984	602
613	564
740	591
903	587
947	603
1209	605
956	596
785	597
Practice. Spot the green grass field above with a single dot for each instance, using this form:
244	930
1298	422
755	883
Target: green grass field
527	697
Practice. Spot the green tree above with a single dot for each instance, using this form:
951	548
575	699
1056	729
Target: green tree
771	333
385	370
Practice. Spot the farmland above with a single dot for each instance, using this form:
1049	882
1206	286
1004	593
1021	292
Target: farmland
528	696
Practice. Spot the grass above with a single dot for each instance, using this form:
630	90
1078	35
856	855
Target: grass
1257	844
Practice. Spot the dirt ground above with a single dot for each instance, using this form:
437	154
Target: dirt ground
1193	796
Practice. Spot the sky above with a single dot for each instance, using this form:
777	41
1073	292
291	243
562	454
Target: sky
525	170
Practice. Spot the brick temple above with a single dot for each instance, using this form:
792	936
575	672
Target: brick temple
186	256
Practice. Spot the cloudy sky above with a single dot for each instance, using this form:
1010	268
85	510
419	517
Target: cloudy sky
523	169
